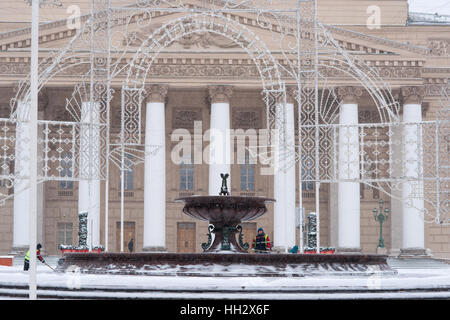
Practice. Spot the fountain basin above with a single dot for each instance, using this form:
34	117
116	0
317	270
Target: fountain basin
226	265
224	213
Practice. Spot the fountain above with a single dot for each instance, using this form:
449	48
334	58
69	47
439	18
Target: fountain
223	255
225	214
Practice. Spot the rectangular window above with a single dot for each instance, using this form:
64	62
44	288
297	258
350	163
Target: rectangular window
65	231
247	174
187	175
5	170
128	173
307	174
66	171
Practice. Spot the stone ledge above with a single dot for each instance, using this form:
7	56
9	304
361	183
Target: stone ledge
226	264
350	251
19	251
154	249
414	253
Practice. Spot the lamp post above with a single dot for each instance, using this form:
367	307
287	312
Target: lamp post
34	81
380	216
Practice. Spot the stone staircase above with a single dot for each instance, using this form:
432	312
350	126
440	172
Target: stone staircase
417	263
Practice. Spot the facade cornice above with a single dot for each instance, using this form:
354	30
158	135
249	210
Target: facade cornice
381	41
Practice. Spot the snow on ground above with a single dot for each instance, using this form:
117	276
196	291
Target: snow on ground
435	283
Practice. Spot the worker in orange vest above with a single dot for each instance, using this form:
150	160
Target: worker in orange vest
261	243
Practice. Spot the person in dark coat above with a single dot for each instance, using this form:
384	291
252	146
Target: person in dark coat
261	243
131	245
26	263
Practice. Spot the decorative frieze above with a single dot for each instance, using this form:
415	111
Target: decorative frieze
368	116
185	117
439	47
229	71
195	40
246	118
208	68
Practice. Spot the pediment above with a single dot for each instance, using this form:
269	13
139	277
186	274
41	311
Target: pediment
200	40
56	34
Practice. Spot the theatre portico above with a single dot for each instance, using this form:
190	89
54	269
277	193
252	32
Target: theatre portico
360	145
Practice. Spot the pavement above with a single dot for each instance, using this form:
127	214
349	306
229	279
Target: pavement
415	279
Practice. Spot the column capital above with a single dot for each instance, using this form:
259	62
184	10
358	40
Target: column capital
156	92
291	94
221	93
349	94
412	94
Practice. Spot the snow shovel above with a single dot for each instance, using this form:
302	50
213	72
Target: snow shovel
49	266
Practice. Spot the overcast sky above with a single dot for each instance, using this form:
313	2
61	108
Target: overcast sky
430	6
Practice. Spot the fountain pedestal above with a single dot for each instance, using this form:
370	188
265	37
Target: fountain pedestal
225	214
225	239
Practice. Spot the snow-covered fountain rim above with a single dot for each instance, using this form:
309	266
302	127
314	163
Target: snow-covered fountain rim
208	264
220	257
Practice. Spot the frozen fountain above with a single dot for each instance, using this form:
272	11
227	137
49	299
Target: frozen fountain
225	214
225	254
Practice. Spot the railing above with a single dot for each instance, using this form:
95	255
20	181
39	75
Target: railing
308	194
427	18
65	193
185	193
126	194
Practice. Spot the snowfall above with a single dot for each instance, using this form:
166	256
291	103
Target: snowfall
415	279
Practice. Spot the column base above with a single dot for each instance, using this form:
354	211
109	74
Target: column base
382	251
154	249
394	253
414	253
19	250
348	250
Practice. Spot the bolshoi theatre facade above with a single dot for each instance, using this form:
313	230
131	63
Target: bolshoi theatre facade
357	144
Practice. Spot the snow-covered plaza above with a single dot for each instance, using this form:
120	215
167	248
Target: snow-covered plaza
419	279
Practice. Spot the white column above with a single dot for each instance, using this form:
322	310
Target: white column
412	188
219	146
396	214
155	171
89	185
284	185
22	183
348	169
